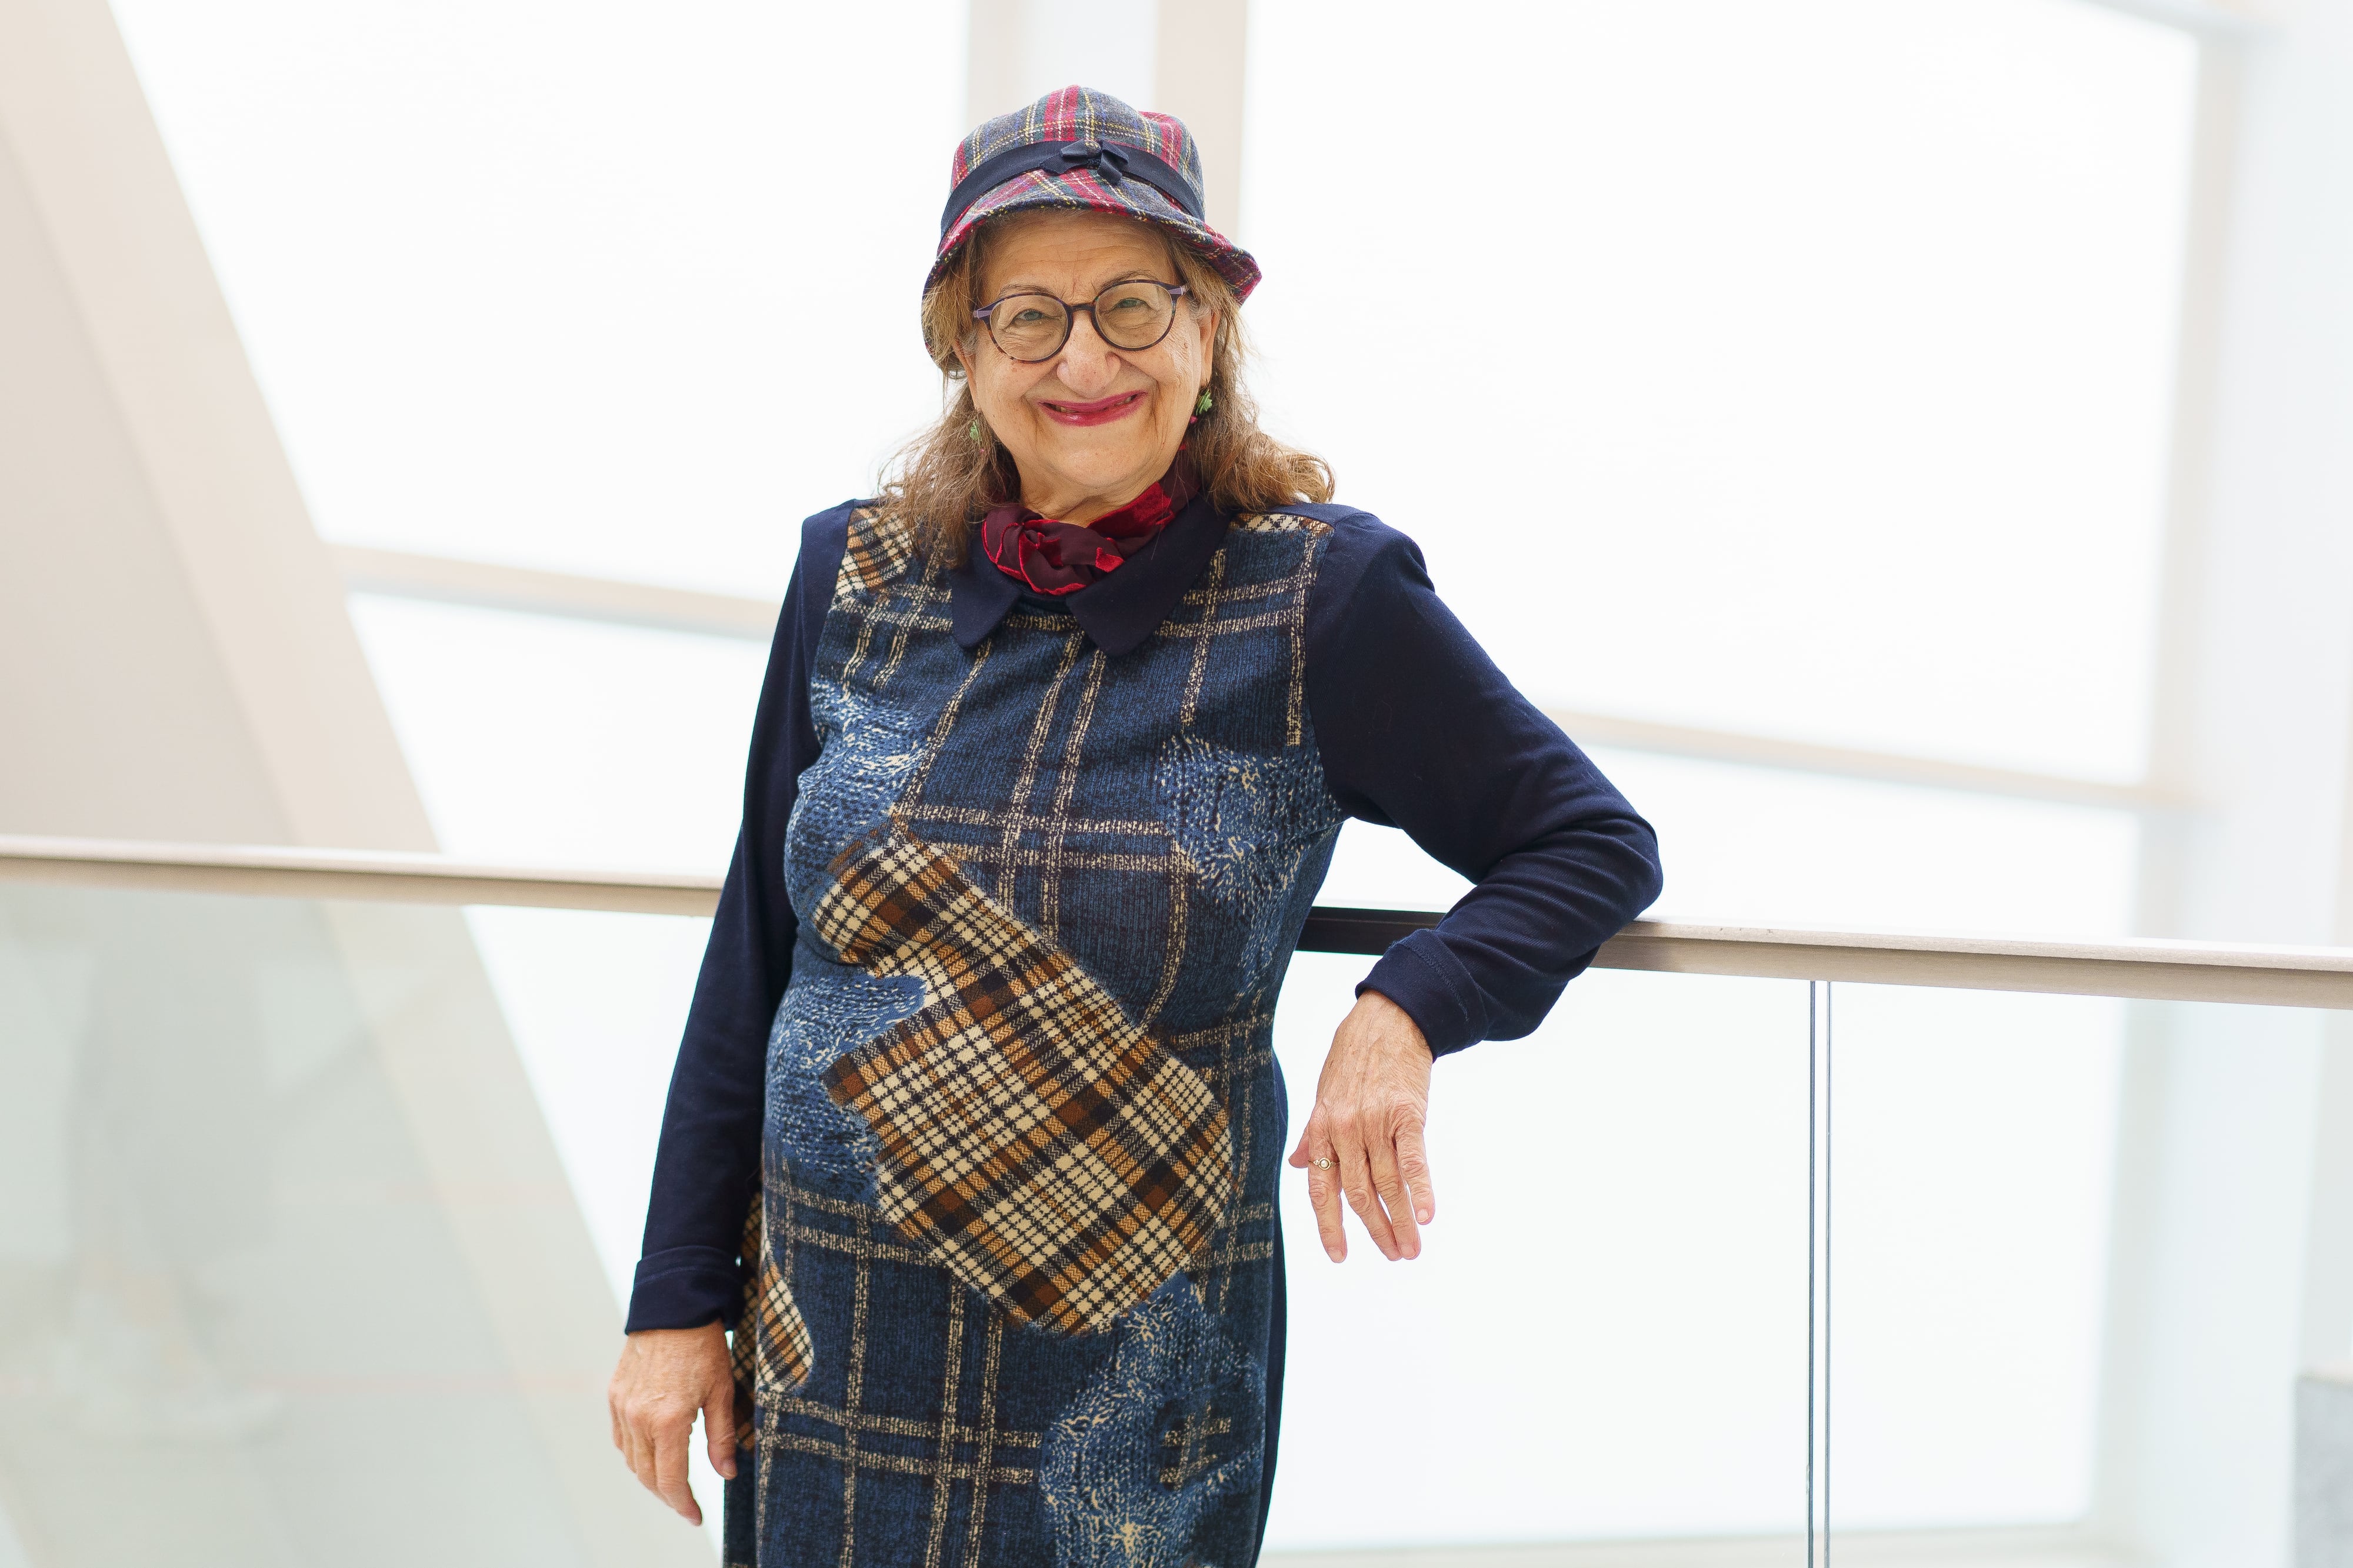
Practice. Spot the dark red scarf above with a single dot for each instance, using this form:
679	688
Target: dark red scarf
1056	558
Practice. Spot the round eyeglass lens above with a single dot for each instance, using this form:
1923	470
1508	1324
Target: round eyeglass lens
1029	326
1135	314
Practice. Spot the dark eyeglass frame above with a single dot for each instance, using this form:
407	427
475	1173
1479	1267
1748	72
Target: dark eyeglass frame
1070	317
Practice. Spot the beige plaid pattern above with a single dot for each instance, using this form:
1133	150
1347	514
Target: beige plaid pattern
1048	1151
771	1352
873	556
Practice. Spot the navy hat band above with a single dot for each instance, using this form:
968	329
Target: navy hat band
1110	162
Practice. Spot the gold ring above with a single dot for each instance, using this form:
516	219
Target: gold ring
1322	1163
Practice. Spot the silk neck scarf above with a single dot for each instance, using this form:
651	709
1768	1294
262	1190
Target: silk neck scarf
1056	558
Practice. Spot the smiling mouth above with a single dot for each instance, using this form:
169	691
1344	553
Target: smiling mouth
1102	411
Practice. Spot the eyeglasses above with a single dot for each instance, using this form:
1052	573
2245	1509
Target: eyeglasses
1133	314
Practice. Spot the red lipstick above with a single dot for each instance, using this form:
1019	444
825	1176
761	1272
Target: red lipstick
1102	411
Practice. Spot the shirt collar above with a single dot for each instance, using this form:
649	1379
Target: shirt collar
1118	610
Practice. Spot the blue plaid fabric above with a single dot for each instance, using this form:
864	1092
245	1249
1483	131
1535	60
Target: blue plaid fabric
1023	1120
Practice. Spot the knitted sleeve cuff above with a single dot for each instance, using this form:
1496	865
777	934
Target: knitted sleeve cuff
685	1288
1420	975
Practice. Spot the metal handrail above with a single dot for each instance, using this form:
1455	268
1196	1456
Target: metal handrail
2153	969
381	875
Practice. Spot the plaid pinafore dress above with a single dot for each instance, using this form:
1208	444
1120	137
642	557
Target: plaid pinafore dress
1016	1298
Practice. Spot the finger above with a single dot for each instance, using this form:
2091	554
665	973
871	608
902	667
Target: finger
643	1448
1396	1204
1324	1196
1356	1181
719	1425
1413	1164
613	1414
640	1455
670	1470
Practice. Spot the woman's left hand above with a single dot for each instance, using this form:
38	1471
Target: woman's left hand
1371	1104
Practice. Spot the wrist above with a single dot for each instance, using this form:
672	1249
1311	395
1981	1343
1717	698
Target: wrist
1391	1020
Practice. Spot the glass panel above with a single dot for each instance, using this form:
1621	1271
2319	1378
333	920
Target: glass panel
1844	413
516	276
2082	1250
307	1212
289	1269
1973	1150
596	1003
1604	1336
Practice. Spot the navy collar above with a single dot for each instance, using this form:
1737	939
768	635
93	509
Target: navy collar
1118	610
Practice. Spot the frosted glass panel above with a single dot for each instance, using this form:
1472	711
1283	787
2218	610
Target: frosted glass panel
1808	364
1973	1154
307	1211
1605	1334
596	1003
2084	1250
1606	1337
289	1271
2069	1271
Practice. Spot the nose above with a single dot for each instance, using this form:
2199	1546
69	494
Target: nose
1087	364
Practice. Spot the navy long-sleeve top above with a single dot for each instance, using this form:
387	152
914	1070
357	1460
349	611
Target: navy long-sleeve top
1416	728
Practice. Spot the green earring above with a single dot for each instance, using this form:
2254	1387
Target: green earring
1203	404
976	433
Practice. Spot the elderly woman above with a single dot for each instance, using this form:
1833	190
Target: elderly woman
1056	740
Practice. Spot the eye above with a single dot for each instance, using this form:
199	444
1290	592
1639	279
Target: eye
1028	316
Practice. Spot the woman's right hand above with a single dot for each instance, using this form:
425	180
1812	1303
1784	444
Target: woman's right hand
665	1377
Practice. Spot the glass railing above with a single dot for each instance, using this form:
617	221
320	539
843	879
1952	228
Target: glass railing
292	1272
320	1173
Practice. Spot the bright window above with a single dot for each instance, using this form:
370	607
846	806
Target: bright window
592	287
1801	367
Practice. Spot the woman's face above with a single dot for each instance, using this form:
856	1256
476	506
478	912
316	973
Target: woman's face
1092	426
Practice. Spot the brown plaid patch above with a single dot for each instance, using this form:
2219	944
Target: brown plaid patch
875	555
771	1352
1048	1151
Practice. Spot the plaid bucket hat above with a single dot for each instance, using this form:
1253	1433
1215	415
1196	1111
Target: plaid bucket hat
1076	147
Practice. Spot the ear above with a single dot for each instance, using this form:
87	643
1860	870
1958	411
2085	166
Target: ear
1205	323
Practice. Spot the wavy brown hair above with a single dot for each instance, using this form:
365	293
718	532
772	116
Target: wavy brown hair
944	480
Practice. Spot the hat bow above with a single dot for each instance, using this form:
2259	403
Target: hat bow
1108	162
